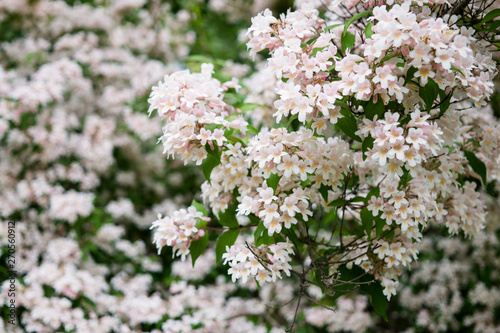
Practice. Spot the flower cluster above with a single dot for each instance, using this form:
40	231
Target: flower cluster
264	263
435	49
294	157
306	92
193	107
398	149
466	211
178	230
409	144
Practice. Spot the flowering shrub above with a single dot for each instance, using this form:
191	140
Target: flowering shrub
371	144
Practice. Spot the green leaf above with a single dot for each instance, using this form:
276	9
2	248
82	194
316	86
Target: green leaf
377	298
332	26
216	153
252	129
367	220
225	239
379	225
234	139
198	247
354	18
494	26
208	165
341	103
357	199
258	284
233	98
250	106
490	16
261	235
353	181
355	274
348	124
477	165
199	207
371	109
373	192
491	189
367	144
404	120
211	128
48	291
368	30
429	93
323	190
405	178
347	41
410	74
305	182
387	57
273	181
228	219
453	68
258	232
337	203
291	119
445	101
